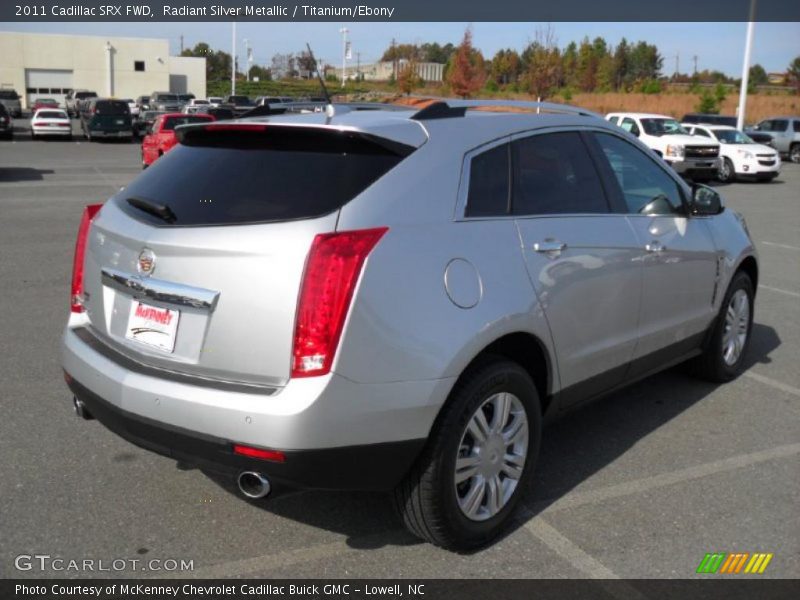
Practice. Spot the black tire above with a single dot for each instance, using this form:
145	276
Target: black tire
727	173
427	500
794	153
710	365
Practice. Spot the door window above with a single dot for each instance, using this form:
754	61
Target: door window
554	174
488	183
645	186
630	126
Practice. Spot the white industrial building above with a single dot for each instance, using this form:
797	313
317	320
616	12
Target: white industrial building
383	71
49	65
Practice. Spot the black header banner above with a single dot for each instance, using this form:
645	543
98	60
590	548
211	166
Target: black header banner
399	10
713	588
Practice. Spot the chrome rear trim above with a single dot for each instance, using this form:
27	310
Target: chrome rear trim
160	290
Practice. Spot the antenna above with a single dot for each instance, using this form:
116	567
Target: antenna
321	80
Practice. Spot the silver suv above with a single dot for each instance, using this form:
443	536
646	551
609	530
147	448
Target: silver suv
396	300
785	134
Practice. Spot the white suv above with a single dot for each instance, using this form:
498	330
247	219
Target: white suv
689	156
740	157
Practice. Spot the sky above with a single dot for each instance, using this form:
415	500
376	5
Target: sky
718	46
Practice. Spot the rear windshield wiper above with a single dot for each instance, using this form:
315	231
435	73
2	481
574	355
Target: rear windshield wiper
161	211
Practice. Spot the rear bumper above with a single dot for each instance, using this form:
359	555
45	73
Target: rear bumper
351	435
51	130
119	133
375	467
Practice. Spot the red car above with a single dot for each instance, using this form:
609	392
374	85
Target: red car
44	103
161	136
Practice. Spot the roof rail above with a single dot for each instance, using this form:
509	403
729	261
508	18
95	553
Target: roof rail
447	107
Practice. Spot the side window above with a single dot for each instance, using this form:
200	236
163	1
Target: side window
554	174
630	126
646	187
614	120
764	126
780	125
796	126
488	183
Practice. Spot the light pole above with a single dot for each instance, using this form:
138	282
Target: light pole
748	46
233	58
344	31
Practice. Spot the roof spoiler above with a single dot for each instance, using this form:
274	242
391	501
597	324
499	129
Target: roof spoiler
446	108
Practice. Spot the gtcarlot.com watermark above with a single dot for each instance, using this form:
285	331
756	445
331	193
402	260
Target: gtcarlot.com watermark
48	563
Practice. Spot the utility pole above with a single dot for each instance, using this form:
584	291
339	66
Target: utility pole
344	31
748	46
358	66
677	64
181	43
233	58
394	61
695	63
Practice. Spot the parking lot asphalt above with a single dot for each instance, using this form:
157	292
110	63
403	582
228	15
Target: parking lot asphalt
639	485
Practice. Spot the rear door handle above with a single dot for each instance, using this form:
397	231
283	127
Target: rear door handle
549	246
655	247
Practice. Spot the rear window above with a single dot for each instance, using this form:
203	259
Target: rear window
276	174
51	114
166	98
83	95
8	95
112	107
172	122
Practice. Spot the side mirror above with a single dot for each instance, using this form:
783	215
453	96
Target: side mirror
706	201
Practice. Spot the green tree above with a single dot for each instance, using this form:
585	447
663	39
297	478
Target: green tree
707	104
620	65
569	64
793	74
505	67
758	76
218	63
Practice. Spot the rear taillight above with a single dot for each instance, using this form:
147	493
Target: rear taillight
331	273
76	298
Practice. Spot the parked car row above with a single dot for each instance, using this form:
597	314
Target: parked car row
704	147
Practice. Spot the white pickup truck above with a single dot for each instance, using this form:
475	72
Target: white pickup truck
689	156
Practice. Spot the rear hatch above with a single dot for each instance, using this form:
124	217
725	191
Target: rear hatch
196	265
111	116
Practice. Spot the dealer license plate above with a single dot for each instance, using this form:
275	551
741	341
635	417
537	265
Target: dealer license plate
153	325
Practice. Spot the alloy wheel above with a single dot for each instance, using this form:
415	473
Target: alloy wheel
737	323
491	456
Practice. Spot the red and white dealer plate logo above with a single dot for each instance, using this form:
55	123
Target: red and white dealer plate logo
152	325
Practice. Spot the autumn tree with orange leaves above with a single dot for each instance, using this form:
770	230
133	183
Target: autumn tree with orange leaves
466	73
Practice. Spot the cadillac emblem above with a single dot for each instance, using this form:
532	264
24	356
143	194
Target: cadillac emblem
147	261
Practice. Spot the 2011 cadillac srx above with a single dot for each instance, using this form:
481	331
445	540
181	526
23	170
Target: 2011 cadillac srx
396	299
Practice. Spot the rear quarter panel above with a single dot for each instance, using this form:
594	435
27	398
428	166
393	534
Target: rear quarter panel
403	325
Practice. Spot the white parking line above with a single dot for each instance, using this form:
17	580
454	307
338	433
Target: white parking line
261	564
681	475
579	559
779	290
776	245
774	383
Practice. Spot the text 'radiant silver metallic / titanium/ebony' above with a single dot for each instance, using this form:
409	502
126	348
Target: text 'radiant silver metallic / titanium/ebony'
385	298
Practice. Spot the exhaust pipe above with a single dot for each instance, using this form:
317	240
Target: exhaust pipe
81	410
253	485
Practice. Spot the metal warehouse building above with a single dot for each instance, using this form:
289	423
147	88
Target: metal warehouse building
46	65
